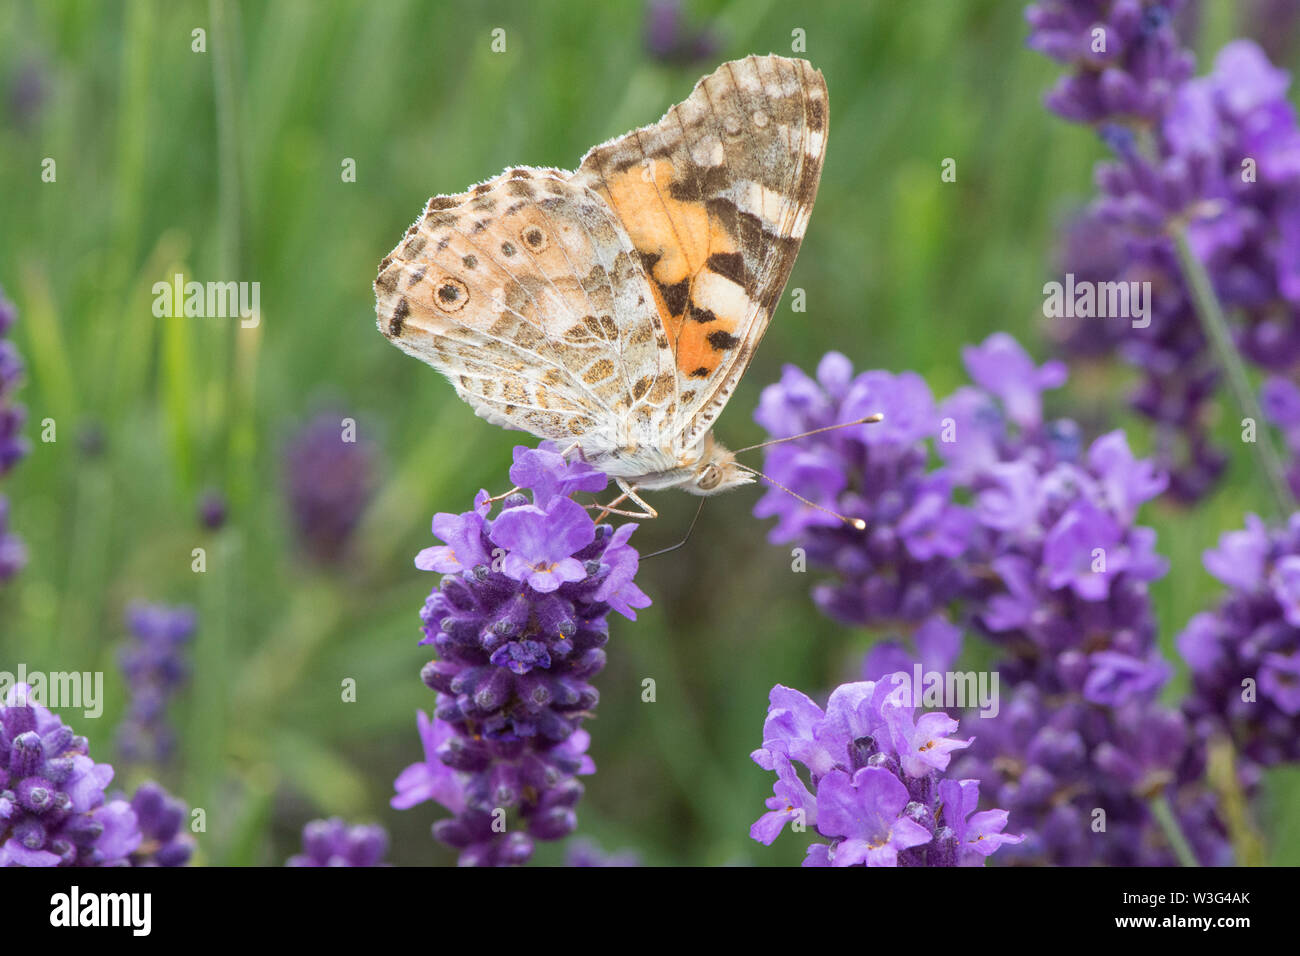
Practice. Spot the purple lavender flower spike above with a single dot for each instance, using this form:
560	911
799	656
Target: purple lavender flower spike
333	842
154	665
587	853
329	478
668	39
1053	570
213	510
1127	70
903	566
874	778
161	819
1279	399
29	89
519	625
1244	654
53	810
1219	162
13	553
13	446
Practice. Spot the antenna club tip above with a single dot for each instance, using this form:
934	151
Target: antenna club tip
872	419
858	523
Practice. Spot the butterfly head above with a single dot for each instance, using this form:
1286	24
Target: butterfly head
716	471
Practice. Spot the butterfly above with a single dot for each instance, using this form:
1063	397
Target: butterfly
615	308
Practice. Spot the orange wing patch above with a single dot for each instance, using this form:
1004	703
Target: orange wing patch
693	264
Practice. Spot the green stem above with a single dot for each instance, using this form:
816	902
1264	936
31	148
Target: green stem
1216	330
1164	815
223	81
230	427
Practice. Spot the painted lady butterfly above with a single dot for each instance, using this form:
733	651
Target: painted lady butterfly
616	307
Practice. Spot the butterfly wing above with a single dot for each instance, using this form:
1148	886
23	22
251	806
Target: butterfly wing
715	198
528	295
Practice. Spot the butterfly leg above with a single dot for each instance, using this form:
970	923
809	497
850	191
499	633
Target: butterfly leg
629	491
576	446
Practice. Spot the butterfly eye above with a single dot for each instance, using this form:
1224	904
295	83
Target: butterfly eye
451	295
709	478
534	238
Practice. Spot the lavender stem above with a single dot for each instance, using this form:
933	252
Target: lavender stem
1164	815
1216	330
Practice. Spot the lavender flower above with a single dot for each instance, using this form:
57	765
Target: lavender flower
519	625
1216	158
333	842
329	478
1245	654
902	567
13	553
1048	564
1125	56
154	666
875	785
161	819
1057	760
1060	572
13	447
91	441
212	510
53	811
1279	400
28	91
588	853
669	39
1273	23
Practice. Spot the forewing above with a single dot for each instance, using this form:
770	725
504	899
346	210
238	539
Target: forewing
715	197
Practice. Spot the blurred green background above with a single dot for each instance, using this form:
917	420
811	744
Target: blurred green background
225	165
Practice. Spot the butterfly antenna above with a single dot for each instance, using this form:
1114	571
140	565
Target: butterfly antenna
856	523
869	420
681	543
